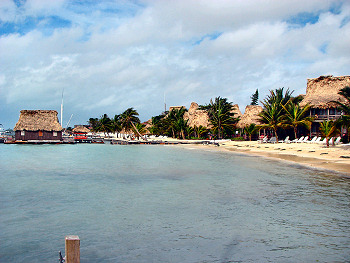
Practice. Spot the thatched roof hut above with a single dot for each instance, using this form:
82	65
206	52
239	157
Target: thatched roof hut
81	129
176	108
197	117
251	115
322	90
236	111
35	120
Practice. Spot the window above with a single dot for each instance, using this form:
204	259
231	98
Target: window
40	133
55	134
23	133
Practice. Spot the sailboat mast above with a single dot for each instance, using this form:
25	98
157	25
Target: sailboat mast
62	109
164	103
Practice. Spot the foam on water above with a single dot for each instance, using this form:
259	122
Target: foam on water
168	204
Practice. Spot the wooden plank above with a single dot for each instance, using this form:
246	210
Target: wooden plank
72	249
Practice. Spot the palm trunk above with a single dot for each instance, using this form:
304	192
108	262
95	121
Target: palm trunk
133	125
327	141
295	132
275	130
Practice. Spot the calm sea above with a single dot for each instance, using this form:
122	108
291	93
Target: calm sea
151	203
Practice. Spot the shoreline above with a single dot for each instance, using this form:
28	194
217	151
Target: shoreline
307	155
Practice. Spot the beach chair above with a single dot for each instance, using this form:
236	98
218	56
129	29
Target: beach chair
312	140
286	139
305	139
298	140
337	141
318	140
272	140
263	140
322	141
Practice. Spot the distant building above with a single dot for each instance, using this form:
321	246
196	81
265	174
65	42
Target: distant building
320	94
38	126
80	132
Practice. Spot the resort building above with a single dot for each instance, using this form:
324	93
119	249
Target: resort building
251	116
196	117
320	94
80	132
38	126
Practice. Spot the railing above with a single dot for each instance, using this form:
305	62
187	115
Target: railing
325	117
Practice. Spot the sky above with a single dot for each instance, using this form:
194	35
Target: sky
106	56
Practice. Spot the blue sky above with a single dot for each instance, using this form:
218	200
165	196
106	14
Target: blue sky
111	55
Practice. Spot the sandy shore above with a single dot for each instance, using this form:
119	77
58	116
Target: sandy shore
335	158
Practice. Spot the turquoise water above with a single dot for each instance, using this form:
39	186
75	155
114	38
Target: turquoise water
168	204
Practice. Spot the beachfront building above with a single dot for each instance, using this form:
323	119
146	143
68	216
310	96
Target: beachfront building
320	94
251	116
80	132
197	117
38	126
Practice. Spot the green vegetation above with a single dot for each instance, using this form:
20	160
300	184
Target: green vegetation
221	117
295	116
328	129
255	98
280	112
250	130
344	120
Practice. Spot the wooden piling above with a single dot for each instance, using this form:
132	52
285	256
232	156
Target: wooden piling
72	249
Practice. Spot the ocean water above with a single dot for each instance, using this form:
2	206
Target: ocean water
147	203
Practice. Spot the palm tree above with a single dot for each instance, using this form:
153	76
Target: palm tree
200	131
271	117
220	115
295	116
273	111
104	124
93	122
128	119
116	125
175	122
250	130
140	128
328	129
189	131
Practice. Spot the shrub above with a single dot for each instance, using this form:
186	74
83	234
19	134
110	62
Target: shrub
237	139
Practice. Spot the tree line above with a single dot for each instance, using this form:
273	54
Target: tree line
281	111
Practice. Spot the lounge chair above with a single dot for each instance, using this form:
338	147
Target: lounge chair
313	140
337	141
263	140
323	141
272	140
286	140
305	139
318	140
298	140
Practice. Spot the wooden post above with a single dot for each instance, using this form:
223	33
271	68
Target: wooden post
72	249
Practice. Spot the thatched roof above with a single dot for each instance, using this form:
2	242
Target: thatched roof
322	90
81	129
251	115
176	108
35	120
236	111
197	117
